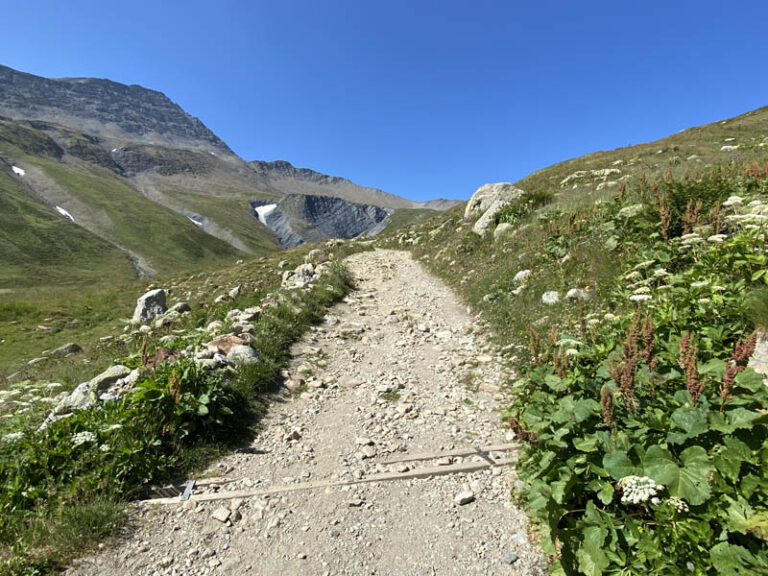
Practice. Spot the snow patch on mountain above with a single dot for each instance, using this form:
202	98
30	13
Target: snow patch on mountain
64	213
18	171
264	211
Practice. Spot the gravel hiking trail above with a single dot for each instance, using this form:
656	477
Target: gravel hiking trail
398	370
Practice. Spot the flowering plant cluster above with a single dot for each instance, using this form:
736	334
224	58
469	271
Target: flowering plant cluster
655	436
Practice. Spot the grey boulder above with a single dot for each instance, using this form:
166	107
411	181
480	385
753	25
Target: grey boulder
150	305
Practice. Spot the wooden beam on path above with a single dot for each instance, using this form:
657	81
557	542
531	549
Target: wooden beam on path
463	468
458	452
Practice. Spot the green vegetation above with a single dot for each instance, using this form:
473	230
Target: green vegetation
64	486
642	428
168	240
404	217
230	209
698	147
39	247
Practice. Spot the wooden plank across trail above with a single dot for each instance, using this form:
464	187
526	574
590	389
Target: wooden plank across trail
458	452
464	467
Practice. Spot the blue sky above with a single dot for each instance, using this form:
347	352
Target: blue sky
420	98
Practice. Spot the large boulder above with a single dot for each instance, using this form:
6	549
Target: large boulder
106	386
150	305
488	217
487	195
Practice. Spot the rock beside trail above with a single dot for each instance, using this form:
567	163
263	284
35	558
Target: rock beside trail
66	350
241	354
150	305
104	387
485	196
300	277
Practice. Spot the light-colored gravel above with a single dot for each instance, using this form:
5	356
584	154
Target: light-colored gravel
399	368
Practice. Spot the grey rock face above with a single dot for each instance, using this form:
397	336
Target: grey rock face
103	108
150	305
319	218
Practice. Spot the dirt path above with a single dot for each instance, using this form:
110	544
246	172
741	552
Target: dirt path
395	370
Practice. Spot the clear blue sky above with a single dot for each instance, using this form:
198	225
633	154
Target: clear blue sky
419	98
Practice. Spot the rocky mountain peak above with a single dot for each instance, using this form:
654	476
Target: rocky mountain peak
104	108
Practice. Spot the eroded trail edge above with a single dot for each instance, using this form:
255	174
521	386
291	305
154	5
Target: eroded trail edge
398	379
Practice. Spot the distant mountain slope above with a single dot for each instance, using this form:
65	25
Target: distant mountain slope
104	108
285	178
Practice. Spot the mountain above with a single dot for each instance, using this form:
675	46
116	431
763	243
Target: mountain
109	110
131	168
284	177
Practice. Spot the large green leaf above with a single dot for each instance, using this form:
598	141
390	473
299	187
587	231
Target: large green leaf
592	560
693	422
689	481
728	460
618	464
731	560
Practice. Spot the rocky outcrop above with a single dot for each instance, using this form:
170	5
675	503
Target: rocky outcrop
298	218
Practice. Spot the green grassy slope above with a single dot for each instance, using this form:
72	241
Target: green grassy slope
690	149
167	240
230	209
38	246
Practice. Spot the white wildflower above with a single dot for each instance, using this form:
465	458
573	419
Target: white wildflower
145	329
550	298
568	342
83	437
638	489
678	504
734	201
661	273
718	288
640	297
609	317
633	276
521	276
691	236
593	322
717	238
645	264
655	501
112	427
642	290
104	448
700	284
704	300
571	352
13	437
